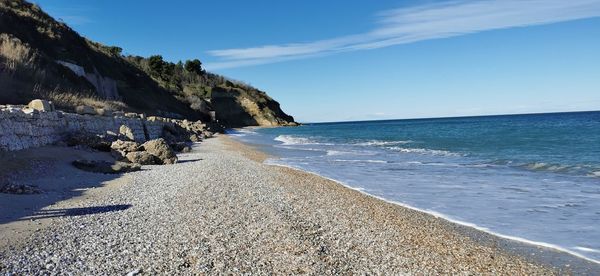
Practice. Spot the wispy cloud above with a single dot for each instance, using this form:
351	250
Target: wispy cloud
417	23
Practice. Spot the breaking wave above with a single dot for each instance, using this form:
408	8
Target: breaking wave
424	151
294	140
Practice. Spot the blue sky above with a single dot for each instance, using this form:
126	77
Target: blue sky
365	60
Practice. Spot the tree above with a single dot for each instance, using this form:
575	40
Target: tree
156	64
194	66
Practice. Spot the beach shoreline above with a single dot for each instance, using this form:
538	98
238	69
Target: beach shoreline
544	254
222	210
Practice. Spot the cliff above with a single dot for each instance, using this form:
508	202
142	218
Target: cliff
43	58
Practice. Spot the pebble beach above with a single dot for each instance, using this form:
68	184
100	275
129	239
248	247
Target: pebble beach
220	210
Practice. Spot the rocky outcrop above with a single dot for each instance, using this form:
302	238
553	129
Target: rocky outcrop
236	107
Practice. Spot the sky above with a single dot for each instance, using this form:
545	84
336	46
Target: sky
368	60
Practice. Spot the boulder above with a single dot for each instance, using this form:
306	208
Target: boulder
41	105
125	132
122	148
161	150
105	167
85	110
141	157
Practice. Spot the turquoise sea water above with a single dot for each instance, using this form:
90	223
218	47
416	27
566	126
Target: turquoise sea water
530	177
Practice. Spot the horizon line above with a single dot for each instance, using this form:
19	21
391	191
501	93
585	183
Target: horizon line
452	117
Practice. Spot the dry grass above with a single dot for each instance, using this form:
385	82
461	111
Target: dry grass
15	52
68	100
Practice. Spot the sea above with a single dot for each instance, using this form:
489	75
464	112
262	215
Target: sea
534	178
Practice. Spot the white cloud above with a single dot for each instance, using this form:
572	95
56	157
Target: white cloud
406	25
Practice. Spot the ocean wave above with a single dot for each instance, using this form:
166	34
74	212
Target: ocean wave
424	151
295	140
382	143
562	168
541	166
594	174
341	152
240	132
360	161
283	146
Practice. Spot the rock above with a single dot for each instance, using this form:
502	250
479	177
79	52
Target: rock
122	148
19	189
41	105
105	167
141	157
100	143
85	110
161	150
125	132
195	138
180	147
104	112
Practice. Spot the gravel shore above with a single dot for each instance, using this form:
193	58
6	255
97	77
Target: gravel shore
221	211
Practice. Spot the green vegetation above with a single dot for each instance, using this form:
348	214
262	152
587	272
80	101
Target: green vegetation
194	66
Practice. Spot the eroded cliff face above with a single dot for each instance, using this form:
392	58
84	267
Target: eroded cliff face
41	58
237	108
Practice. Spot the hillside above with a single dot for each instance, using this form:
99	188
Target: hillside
43	58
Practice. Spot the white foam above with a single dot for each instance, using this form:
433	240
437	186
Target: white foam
339	152
450	219
240	132
360	161
595	174
424	151
382	143
294	140
586	249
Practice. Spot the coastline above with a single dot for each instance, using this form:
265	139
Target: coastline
222	210
546	255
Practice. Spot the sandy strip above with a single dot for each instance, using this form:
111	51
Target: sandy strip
222	211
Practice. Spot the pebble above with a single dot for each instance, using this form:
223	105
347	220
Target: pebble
225	213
